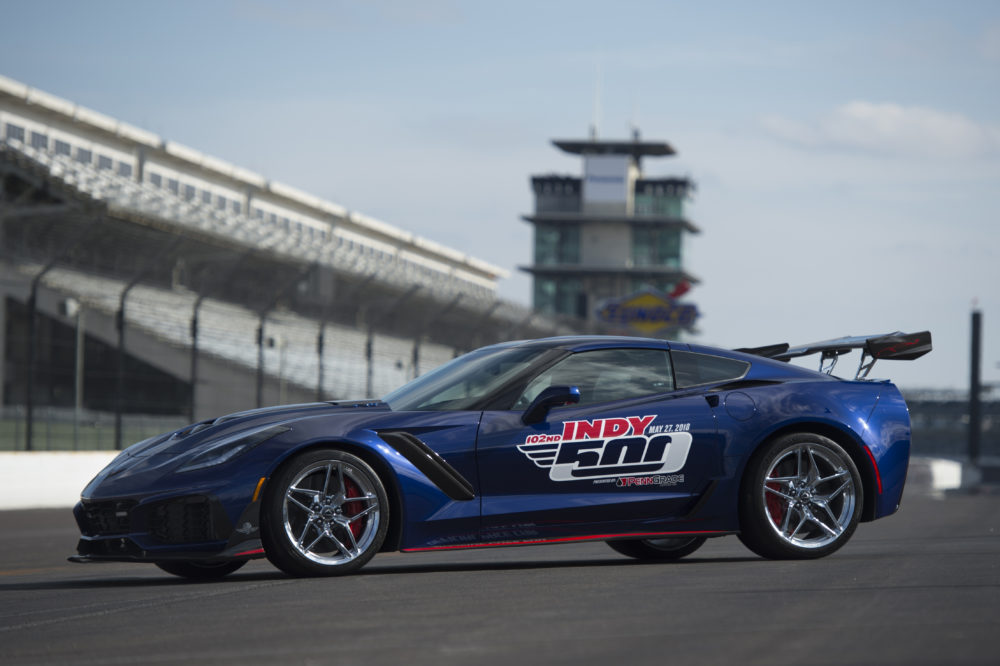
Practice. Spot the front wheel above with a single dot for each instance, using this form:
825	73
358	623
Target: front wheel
801	498
673	548
326	513
198	570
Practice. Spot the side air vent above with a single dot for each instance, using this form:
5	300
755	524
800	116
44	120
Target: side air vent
433	466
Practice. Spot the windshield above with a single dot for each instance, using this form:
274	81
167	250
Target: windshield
464	381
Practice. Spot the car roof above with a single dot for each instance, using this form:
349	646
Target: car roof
761	368
584	342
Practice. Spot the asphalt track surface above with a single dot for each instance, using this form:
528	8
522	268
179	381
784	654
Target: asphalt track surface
921	587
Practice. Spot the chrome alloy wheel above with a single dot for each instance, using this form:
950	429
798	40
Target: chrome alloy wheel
809	496
330	512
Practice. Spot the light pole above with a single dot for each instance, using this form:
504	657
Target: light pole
975	389
281	343
72	308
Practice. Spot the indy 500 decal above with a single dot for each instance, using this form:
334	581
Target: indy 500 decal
607	448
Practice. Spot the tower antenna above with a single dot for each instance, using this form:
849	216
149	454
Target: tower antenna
634	122
596	122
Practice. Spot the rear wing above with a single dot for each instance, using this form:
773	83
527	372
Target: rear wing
896	346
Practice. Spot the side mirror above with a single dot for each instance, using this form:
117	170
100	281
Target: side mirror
553	396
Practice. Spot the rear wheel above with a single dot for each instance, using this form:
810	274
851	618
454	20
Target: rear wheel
326	513
201	570
801	499
673	548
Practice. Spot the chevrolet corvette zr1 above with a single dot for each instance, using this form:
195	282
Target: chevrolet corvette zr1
652	446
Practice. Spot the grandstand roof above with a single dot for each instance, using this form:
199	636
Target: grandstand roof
44	104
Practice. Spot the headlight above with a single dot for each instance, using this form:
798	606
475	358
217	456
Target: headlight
228	448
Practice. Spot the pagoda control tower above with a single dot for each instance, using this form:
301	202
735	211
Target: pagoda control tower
610	237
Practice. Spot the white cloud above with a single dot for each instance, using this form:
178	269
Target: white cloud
891	129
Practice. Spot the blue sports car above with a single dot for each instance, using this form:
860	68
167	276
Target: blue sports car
652	446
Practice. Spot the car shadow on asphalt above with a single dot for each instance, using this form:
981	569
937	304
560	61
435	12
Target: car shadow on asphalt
445	567
374	569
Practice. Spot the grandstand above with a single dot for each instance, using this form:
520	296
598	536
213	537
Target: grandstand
146	284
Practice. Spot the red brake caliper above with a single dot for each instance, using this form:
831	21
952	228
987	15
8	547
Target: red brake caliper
775	505
353	508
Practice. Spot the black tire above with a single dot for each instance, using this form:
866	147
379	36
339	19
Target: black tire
325	513
801	498
673	548
200	570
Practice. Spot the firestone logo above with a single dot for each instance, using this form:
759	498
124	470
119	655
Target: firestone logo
607	448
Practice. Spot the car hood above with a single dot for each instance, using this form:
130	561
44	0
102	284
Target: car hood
163	453
206	432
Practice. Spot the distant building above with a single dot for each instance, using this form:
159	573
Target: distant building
613	235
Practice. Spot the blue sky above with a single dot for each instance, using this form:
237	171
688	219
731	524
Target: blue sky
847	154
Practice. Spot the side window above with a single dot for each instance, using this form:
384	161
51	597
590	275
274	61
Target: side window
604	375
40	141
15	133
691	369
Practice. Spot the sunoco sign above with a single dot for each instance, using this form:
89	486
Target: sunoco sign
647	312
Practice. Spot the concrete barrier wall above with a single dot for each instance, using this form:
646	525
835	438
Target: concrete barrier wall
47	479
